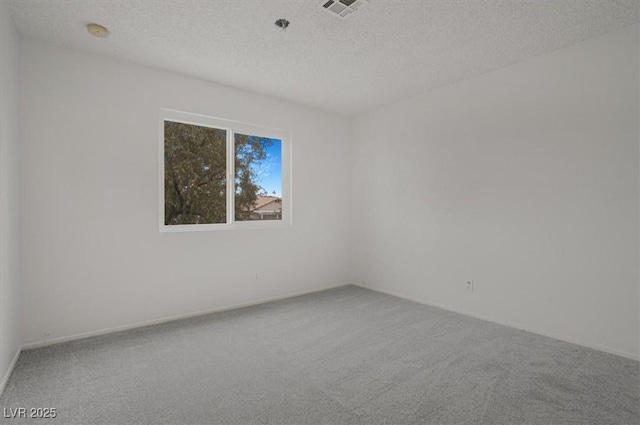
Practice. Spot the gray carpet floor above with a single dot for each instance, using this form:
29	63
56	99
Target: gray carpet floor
343	356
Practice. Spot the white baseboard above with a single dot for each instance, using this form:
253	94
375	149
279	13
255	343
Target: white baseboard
12	365
509	324
44	343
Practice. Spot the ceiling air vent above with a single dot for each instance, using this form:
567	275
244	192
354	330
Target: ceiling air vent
342	8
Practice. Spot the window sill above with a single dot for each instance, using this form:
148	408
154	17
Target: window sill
249	225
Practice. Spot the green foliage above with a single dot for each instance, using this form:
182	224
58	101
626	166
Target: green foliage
195	183
249	151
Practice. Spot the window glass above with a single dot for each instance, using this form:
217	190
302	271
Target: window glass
195	183
258	178
218	174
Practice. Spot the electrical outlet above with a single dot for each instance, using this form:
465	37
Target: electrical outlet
255	279
469	285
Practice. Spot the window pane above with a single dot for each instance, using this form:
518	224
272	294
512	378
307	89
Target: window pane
195	183
258	178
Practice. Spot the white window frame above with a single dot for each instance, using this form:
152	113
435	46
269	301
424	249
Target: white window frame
231	128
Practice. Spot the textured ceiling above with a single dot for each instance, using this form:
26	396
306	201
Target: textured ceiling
388	50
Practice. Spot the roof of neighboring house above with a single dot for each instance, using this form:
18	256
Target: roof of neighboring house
263	201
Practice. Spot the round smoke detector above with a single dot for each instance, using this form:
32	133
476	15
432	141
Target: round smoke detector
98	30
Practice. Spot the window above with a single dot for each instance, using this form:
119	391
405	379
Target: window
220	174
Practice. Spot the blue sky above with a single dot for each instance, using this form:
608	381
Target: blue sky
269	171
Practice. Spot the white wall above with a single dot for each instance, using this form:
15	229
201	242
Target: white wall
93	258
9	197
524	180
